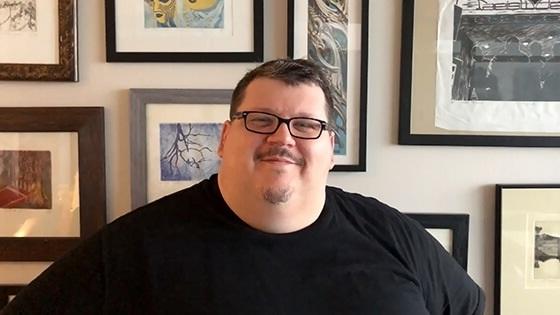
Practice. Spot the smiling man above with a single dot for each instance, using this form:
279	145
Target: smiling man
276	151
266	235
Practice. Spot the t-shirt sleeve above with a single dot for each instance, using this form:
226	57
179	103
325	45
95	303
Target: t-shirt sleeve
447	288
71	285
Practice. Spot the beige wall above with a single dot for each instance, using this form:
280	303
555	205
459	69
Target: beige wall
411	178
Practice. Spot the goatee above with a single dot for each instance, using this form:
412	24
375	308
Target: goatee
277	196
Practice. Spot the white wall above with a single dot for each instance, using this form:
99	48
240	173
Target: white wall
410	178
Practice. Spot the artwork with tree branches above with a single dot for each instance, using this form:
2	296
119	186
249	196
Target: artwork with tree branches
25	179
18	15
188	151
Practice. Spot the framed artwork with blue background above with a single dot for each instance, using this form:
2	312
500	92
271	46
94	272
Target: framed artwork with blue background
174	139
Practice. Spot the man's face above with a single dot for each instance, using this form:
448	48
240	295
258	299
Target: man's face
278	165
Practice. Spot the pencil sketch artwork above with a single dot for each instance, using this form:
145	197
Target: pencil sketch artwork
18	16
547	250
25	179
188	151
327	42
506	50
203	14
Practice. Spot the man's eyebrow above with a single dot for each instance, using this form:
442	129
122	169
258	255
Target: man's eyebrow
272	111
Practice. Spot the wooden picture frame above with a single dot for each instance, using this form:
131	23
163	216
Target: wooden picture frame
61	63
347	69
527	249
461	88
152	108
88	124
458	226
131	41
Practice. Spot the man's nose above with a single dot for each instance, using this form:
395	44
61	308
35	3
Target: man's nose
282	135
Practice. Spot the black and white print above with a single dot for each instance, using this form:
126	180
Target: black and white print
18	16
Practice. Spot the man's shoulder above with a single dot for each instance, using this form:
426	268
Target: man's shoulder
357	202
370	211
167	210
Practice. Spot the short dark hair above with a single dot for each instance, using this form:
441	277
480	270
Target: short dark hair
292	72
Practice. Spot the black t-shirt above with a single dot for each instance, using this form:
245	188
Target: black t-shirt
188	253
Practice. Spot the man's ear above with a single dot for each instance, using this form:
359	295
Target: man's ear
223	137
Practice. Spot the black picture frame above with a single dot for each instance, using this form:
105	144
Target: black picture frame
88	122
520	208
357	164
7	291
67	67
114	55
418	92
459	226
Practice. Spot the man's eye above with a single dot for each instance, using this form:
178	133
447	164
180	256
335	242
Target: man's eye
306	125
261	120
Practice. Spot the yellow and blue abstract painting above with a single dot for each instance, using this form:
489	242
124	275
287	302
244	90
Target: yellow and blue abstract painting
204	14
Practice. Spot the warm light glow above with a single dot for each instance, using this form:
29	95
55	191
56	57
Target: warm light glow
27	226
75	205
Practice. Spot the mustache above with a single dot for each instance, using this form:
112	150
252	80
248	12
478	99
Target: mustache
279	152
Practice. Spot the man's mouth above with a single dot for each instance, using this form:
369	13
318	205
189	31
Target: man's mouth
279	155
278	159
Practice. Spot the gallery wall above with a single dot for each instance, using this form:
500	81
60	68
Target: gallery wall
437	179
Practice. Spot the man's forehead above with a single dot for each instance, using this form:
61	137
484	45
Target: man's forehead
264	87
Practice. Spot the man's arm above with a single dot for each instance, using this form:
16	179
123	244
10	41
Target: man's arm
72	285
447	288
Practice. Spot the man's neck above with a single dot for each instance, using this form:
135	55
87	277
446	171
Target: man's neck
300	211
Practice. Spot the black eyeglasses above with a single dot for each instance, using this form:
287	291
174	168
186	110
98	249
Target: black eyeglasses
266	123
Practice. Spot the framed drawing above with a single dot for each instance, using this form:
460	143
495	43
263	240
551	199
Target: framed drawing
8	292
451	230
483	73
527	249
174	139
184	31
39	40
335	35
52	180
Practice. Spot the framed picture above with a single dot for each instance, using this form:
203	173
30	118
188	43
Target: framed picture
8	292
184	31
52	180
451	230
527	249
174	139
335	35
39	40
480	73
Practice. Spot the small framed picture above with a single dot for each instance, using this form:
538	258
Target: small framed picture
184	31
175	135
527	249
39	40
451	230
334	34
8	292
52	180
480	73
